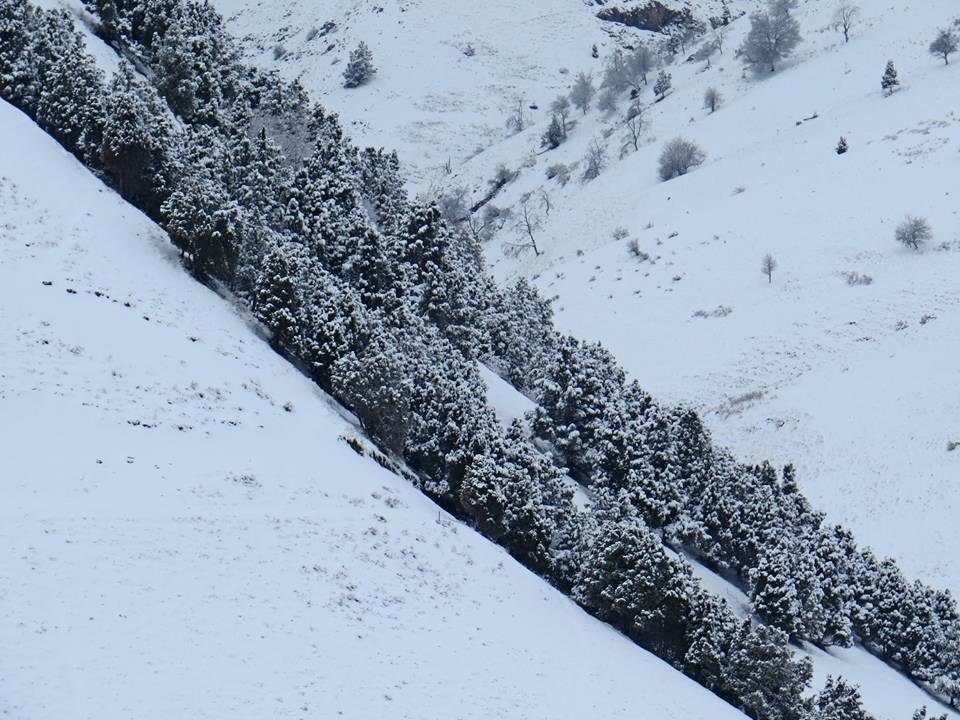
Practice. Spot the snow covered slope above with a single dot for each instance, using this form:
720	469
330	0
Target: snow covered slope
855	383
430	100
186	536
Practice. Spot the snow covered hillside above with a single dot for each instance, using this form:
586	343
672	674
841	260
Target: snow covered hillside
446	78
186	535
854	383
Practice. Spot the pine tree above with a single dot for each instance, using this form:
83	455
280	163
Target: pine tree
663	84
360	68
554	135
763	675
71	106
15	19
842	146
135	137
277	302
839	701
890	82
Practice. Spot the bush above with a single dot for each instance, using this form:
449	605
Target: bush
559	171
679	156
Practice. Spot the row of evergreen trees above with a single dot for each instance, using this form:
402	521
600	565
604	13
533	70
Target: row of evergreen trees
389	310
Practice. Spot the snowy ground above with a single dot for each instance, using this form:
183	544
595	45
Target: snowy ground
186	536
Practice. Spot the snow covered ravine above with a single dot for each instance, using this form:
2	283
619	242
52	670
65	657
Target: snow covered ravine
186	535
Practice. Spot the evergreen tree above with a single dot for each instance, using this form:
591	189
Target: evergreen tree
554	135
763	675
360	68
277	302
663	84
135	137
839	701
890	82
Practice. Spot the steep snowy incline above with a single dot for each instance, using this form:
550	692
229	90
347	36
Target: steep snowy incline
185	535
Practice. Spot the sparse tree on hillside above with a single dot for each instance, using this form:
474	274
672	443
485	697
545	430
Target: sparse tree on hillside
712	99
582	93
595	160
842	146
525	227
913	232
638	64
774	34
517	119
945	45
845	18
719	37
663	85
615	73
608	101
890	82
634	125
767	266
554	135
561	110
360	68
679	156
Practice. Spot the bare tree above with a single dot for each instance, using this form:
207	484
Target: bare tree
767	266
719	37
545	202
527	224
615	73
845	18
945	44
561	110
913	232
634	125
679	156
485	224
712	99
595	160
608	101
638	64
774	34
582	93
517	119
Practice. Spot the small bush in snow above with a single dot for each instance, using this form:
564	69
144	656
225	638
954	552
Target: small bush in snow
619	233
679	156
501	177
913	232
842	146
279	51
634	247
559	171
855	278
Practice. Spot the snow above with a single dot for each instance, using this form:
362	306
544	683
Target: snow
187	535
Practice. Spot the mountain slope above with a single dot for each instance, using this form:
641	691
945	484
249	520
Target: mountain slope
188	537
